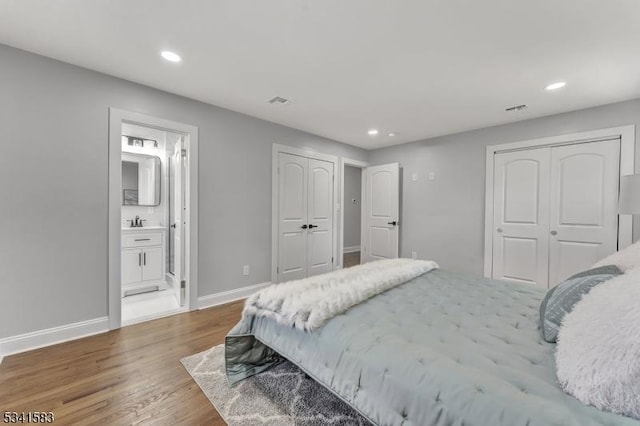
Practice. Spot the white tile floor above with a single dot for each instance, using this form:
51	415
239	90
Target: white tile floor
146	306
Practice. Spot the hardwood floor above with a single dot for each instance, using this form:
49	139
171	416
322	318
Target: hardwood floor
127	376
351	259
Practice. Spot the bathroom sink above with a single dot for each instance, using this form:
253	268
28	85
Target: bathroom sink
144	228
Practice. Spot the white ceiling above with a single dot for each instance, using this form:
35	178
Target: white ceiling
420	68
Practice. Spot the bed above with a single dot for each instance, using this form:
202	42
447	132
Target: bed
441	349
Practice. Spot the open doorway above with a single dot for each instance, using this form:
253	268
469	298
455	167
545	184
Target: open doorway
152	218
352	202
351	212
153	170
378	206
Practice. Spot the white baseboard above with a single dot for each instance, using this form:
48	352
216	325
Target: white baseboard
51	336
352	249
229	296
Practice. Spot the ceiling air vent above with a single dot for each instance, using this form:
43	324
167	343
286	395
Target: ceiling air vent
516	108
277	100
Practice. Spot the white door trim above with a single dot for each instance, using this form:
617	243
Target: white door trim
303	152
627	135
114	226
343	163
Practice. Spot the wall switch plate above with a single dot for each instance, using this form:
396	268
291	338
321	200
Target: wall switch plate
414	254
245	270
414	177
432	175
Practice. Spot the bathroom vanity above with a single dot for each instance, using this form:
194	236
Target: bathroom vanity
143	259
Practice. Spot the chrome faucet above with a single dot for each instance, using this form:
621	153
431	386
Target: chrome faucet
137	222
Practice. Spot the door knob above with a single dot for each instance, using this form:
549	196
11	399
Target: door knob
499	229
554	232
394	223
312	226
304	227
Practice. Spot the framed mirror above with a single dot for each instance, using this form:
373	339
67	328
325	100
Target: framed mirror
141	176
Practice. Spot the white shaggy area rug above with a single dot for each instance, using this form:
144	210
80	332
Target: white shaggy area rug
283	395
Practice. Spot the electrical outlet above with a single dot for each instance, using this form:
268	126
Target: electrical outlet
432	175
414	254
414	177
245	270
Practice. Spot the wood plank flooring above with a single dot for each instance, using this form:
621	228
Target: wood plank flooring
351	259
127	376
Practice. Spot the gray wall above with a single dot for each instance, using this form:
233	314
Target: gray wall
352	186
54	181
443	219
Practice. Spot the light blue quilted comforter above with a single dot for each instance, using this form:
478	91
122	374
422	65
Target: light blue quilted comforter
442	349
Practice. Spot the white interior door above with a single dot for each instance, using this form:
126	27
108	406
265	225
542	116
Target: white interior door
380	213
521	216
320	217
178	175
584	197
293	188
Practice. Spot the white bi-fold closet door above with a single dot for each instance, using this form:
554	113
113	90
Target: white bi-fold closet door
305	222
555	210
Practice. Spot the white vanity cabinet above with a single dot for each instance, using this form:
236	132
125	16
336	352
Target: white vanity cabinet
143	258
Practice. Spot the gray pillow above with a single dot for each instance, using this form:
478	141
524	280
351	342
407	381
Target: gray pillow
561	299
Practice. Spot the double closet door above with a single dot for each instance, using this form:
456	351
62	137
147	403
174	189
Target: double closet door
305	222
555	210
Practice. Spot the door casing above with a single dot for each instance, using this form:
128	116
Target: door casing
627	167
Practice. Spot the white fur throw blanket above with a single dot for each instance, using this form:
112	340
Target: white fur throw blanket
309	303
598	351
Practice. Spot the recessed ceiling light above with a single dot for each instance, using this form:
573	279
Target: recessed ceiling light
392	134
170	56
556	86
373	132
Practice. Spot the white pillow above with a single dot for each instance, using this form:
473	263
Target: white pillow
598	350
627	258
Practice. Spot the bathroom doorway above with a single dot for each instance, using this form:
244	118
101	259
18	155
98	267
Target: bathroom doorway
152	218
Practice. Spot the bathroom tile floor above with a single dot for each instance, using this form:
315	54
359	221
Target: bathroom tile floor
146	306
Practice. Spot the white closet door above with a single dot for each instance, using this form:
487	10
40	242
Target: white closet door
293	187
320	217
521	216
584	196
381	212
